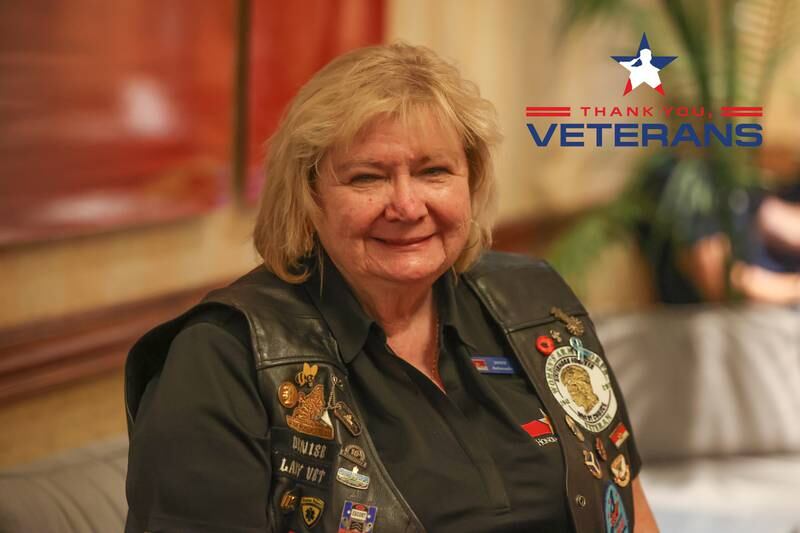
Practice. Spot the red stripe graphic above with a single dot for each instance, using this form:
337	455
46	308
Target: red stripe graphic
741	111
548	111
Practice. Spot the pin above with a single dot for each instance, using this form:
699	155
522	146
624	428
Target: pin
357	517
581	383
352	478
310	416
573	426
287	394
591	463
311	508
619	435
573	324
600	448
354	454
345	415
621	471
556	335
545	345
577	345
307	375
289	501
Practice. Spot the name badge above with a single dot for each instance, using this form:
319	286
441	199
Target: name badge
488	364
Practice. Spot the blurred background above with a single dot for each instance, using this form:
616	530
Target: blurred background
131	147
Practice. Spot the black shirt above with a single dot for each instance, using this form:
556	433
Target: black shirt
462	460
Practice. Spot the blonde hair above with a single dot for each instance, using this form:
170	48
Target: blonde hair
398	80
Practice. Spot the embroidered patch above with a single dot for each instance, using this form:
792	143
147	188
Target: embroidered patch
541	430
357	517
579	380
488	364
312	509
614	510
304	446
310	416
299	470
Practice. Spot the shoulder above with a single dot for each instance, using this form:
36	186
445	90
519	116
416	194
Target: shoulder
518	289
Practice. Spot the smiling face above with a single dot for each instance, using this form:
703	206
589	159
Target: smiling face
396	203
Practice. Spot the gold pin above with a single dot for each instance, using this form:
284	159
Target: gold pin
310	416
591	463
601	449
573	324
287	394
556	335
289	501
621	471
307	375
573	426
354	454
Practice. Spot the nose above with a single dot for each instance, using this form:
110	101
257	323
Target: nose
405	203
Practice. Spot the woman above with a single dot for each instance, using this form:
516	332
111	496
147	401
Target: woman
380	372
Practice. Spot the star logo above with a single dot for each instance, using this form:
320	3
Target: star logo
644	67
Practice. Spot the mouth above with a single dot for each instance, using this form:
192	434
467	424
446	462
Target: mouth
408	242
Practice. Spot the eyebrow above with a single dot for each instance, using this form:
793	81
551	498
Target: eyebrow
422	160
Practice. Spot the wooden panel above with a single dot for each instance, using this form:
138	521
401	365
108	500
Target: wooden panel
42	355
289	42
112	113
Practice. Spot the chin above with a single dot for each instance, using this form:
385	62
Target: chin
412	270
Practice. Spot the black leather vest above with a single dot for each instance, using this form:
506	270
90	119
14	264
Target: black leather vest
287	332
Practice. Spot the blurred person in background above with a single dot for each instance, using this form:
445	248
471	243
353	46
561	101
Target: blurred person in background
381	371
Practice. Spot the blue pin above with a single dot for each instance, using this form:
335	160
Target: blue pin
577	345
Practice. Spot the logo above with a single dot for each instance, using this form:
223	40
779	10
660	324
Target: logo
669	126
580	382
357	517
312	510
644	67
541	430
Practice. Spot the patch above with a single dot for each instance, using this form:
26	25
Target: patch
572	323
311	509
345	415
355	454
614	510
357	517
545	345
310	416
288	441
621	470
489	364
619	435
579	380
591	464
352	478
299	470
541	430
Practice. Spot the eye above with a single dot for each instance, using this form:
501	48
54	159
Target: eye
364	179
435	171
